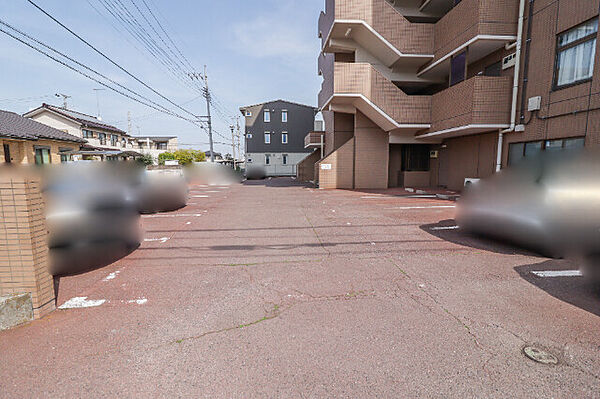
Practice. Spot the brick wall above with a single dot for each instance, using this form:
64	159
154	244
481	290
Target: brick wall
407	37
371	154
305	170
564	113
479	100
475	17
341	173
23	245
469	156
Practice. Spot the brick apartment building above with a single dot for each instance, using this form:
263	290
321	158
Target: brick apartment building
424	92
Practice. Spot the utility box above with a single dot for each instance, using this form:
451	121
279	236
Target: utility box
534	104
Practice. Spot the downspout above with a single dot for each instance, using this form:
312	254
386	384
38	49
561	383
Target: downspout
515	93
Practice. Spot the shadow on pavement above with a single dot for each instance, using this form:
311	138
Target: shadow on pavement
576	291
278	182
456	236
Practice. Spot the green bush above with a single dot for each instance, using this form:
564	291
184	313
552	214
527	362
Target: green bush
146	159
185	157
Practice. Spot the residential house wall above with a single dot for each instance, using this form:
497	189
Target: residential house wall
23	152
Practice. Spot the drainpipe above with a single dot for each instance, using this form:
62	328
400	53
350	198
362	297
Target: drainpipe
515	93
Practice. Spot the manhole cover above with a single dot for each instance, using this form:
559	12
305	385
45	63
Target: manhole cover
539	355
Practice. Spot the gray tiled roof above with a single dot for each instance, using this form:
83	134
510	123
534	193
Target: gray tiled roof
15	126
84	119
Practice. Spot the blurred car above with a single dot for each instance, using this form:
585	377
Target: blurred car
92	218
161	190
254	172
550	204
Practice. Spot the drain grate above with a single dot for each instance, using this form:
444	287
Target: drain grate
540	355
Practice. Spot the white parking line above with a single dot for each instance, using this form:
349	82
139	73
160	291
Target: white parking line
81	302
162	239
111	276
445	228
423	207
200	196
175	215
558	273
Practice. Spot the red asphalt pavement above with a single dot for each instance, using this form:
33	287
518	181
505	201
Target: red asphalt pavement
273	289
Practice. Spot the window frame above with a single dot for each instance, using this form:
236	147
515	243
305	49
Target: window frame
284	159
544	145
267	159
284	112
559	49
37	148
284	134
465	76
102	138
87	134
267	116
267	135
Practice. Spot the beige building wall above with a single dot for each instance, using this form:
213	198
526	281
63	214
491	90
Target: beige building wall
371	154
23	152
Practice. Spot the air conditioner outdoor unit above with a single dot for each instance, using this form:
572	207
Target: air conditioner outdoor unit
471	181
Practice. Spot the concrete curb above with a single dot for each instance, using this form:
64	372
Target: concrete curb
15	309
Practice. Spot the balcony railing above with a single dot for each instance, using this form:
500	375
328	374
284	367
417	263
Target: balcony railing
363	82
472	105
313	139
472	18
383	19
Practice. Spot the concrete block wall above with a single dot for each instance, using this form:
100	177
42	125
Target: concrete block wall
23	243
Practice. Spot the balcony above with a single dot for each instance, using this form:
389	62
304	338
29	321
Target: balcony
314	140
377	26
483	26
476	105
349	86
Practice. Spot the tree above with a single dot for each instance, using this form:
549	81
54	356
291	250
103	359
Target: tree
146	159
185	157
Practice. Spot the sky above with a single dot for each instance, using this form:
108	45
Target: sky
254	50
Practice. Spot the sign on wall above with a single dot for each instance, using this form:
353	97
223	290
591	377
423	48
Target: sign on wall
326	166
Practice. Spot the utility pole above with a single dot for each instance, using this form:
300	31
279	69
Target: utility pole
233	144
237	123
64	97
129	123
206	94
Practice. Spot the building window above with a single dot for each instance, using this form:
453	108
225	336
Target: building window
7	153
123	142
519	151
114	139
284	138
267	138
575	54
248	113
415	158
88	134
42	156
267	117
284	116
458	68
284	159
267	159
102	138
249	135
161	146
249	160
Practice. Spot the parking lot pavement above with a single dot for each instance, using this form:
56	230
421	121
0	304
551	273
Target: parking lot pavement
273	289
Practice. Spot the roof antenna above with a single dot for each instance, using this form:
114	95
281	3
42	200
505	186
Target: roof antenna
98	103
64	97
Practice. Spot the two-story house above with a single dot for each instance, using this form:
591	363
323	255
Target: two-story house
274	135
98	134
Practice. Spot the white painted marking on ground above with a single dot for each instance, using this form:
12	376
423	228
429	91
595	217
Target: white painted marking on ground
445	228
558	273
423	207
175	215
81	302
200	196
189	223
212	191
138	301
373	197
421	196
111	276
162	239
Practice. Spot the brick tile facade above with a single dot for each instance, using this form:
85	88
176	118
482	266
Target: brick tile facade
23	245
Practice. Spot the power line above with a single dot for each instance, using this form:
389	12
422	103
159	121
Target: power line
109	59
